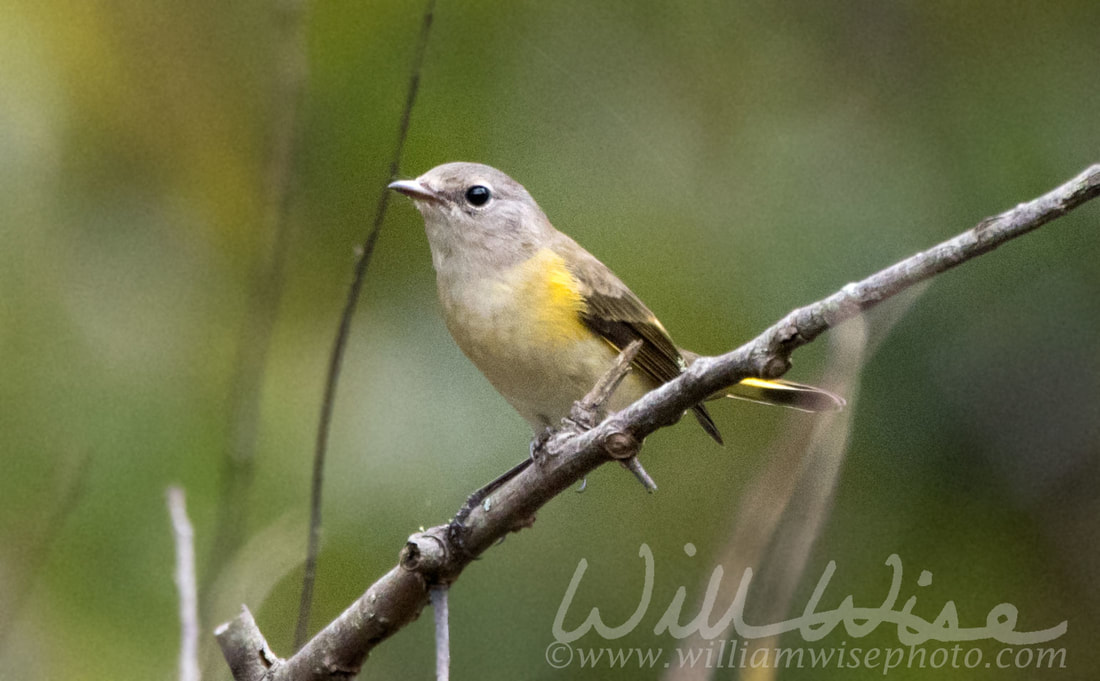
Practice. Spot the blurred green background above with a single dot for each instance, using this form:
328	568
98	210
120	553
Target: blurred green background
729	160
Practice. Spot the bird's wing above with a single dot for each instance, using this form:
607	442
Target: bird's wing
620	317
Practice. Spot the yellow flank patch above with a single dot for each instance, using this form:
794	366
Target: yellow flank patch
547	288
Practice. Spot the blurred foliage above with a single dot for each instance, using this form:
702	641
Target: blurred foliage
729	160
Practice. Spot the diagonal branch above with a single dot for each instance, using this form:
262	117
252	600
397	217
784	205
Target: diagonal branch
429	558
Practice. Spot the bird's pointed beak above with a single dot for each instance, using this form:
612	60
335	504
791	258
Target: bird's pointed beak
414	190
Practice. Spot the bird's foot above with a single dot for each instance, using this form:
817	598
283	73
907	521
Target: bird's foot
538	450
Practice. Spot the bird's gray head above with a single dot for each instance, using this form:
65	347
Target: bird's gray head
476	215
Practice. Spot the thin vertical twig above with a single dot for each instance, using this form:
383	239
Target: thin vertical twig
266	289
438	596
184	537
309	576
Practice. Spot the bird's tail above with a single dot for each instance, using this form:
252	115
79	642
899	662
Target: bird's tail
785	394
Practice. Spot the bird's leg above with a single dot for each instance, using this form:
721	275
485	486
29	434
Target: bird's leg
584	415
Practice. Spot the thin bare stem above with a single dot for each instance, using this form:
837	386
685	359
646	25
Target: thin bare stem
337	357
184	536
442	633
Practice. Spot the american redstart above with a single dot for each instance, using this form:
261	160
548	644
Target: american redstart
540	316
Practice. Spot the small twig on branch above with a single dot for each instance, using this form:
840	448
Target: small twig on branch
186	583
245	648
634	466
591	408
428	557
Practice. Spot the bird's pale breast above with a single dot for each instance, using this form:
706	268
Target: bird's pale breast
522	328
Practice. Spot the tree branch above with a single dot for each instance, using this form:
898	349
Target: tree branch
429	558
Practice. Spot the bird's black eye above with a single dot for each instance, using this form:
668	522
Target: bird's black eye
478	195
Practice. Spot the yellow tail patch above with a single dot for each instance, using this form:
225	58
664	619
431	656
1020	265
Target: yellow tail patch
786	394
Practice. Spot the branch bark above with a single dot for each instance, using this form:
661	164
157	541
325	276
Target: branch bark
430	559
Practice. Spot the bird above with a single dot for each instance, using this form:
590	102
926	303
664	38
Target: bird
541	317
